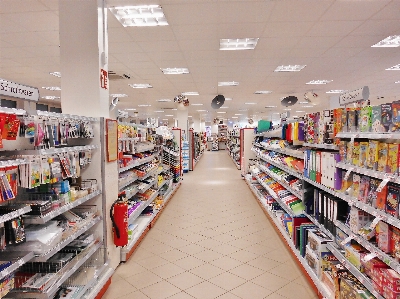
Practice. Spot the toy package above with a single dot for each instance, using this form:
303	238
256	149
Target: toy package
356	185
392	200
337	120
376	121
321	129
349	153
310	132
356	153
382	156
352	124
393	156
372	193
365	119
344	121
343	151
363	154
395	243
317	119
384	233
372	155
395	117
386	110
364	188
381	199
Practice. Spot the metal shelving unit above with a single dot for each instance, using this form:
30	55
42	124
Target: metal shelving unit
322	145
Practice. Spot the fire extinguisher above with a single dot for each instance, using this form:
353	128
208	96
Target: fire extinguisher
119	218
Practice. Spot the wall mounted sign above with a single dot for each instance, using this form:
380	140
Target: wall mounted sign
103	79
112	139
16	90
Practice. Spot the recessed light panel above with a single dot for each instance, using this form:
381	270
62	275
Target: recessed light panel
118	95
129	109
262	92
394	68
175	71
159	111
237	43
238	114
270	106
174	109
249	103
318	82
300	111
51	98
392	41
307	106
221	112
141	16
144	105
140	85
196	104
397	82
224	107
336	91
287	109
201	110
169	115
290	68
235	117
52	88
190	93
228	99
232	83
164	100
242	110
304	102
56	74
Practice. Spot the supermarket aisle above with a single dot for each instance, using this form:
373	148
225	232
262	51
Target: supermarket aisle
212	241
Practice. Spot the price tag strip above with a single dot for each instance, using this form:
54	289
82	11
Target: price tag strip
346	177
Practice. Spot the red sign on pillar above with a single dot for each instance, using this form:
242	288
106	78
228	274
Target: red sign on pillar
103	79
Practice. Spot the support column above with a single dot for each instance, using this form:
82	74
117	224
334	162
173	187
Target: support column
182	118
85	90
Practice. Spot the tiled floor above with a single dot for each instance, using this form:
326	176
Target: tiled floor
212	241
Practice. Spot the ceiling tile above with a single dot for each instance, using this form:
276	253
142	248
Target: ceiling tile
350	10
15	6
289	11
333	28
289	29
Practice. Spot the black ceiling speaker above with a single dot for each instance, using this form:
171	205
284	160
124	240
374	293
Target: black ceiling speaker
289	101
218	101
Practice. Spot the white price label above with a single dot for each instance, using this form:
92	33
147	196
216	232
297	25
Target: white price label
347	240
383	184
352	139
346	176
369	257
375	222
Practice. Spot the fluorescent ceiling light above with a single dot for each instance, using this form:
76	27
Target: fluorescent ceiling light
248	103
190	116
228	99
336	91
140	85
287	109
196	104
51	98
144	15
300	111
190	93
237	43
224	107
165	119
262	92
175	71
235	117
221	112
168	115
304	102
290	68
164	100
238	114
241	110
56	74
397	82
232	83
270	106
174	109
144	105
315	82
52	88
201	110
159	111
118	95
307	106
130	109
392	41
394	68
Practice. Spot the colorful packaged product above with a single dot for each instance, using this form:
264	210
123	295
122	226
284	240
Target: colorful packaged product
395	117
337	120
392	200
395	243
376	121
382	156
372	156
356	185
351	120
364	188
381	197
363	154
386	110
365	119
384	233
349	153
372	193
393	158
391	280
356	153
343	151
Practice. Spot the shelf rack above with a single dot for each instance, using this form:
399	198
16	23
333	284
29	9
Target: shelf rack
320	227
14	214
101	283
18	258
288	152
317	282
369	172
361	277
322	145
368	135
137	163
121	187
67	271
43	219
51	151
141	208
384	257
45	256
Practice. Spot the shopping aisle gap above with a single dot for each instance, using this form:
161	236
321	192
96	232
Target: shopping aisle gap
212	241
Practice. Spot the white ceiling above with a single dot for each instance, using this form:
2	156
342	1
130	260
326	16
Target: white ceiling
333	38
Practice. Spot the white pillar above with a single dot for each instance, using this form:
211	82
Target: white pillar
83	57
182	118
196	124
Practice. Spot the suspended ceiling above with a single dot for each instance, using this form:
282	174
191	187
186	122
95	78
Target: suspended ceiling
333	38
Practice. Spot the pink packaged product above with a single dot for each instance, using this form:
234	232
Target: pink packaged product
377	287
391	279
389	294
384	235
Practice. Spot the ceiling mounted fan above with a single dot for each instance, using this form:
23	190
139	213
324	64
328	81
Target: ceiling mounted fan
311	97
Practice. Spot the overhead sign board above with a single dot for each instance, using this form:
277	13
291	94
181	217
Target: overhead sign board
358	95
16	90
